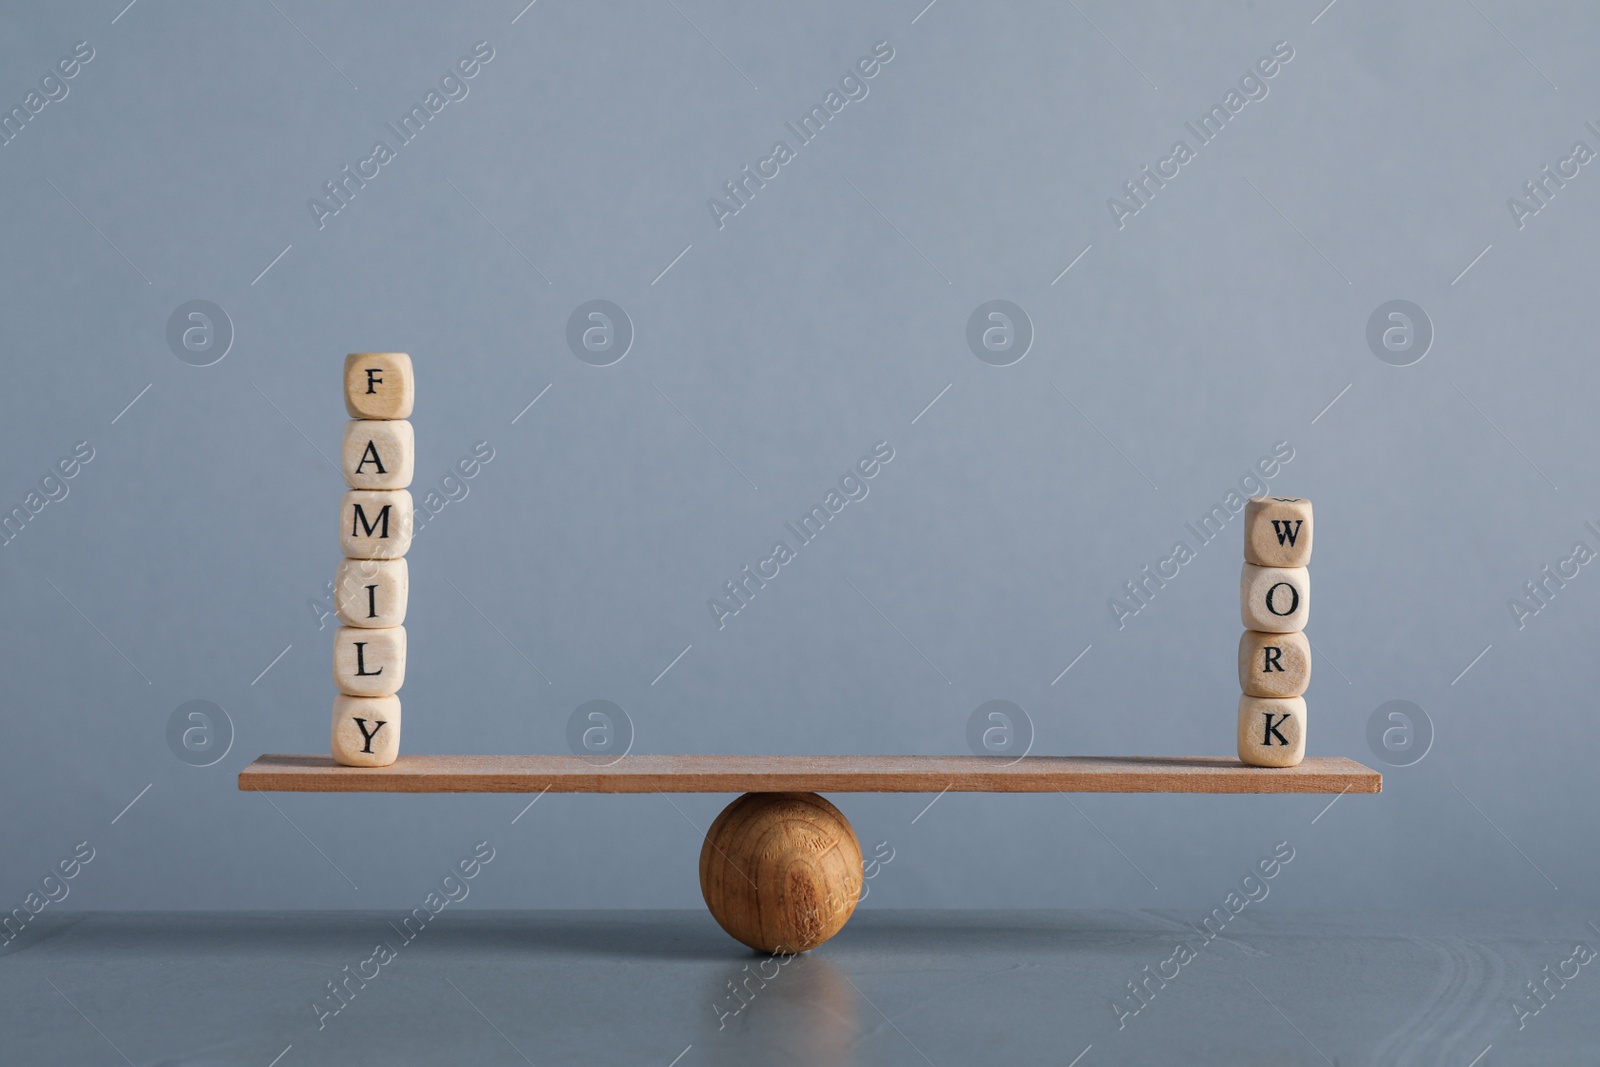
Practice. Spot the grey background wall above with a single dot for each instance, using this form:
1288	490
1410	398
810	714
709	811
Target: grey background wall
1226	317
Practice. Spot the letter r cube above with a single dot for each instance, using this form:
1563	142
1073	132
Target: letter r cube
1274	665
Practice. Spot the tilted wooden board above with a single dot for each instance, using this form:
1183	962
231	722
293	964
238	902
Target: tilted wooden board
809	774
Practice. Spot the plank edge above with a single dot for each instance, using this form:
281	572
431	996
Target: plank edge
910	774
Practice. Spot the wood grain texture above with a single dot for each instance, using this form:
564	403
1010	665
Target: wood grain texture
781	872
379	385
810	774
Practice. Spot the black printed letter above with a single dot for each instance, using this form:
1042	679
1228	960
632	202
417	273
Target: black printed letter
1271	729
361	662
371	456
360	522
361	724
1294	604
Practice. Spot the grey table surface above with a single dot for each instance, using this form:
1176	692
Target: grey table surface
895	987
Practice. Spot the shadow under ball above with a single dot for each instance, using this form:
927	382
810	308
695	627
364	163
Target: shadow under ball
781	872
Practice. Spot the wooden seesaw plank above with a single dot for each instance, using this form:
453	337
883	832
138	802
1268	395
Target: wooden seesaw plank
809	774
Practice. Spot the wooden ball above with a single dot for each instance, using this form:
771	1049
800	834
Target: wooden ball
781	872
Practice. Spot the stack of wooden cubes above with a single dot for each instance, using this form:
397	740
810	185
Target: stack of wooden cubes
372	582
1274	655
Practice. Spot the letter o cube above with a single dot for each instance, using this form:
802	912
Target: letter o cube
1274	600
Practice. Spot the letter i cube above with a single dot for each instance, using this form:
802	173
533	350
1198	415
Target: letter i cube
1274	655
371	586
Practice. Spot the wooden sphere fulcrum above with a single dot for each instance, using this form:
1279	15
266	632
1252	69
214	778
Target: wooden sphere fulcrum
781	872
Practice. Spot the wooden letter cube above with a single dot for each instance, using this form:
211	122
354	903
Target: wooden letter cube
1272	731
1275	600
369	663
1277	531
1274	665
378	453
371	593
366	730
378	385
376	523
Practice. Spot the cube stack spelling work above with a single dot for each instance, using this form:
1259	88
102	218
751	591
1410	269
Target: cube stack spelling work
372	582
1274	654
